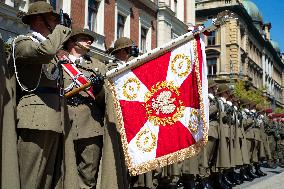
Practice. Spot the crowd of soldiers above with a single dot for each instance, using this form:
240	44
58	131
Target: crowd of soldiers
49	140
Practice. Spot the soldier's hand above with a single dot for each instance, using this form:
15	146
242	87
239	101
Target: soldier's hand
97	83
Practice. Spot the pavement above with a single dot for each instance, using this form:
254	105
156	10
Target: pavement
274	179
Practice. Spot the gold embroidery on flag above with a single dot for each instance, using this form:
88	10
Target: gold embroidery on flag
171	108
196	61
131	88
178	63
146	141
168	159
194	121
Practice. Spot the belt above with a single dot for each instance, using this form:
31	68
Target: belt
78	100
47	90
42	90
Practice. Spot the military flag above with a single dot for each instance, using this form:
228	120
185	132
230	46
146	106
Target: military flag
161	103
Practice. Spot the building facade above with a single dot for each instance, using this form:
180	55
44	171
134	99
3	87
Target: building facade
149	23
242	48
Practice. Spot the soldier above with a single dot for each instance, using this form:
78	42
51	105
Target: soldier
223	163
207	157
277	153
251	138
243	141
124	49
86	108
197	168
39	109
235	143
9	157
259	142
113	164
265	139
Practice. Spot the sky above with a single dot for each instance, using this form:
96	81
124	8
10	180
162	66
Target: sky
273	11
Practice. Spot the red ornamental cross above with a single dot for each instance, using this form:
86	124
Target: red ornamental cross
173	135
160	104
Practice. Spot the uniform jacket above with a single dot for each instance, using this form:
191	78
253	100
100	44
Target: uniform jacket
213	118
87	118
224	143
39	110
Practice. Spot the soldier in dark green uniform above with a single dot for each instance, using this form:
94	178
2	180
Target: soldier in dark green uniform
85	112
39	109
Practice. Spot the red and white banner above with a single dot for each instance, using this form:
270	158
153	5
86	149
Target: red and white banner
162	107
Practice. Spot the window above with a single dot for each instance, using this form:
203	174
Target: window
212	66
211	38
120	26
144	32
92	14
53	4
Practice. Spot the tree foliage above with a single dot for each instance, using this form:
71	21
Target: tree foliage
252	95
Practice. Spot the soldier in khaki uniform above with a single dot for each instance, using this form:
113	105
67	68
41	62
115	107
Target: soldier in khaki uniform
39	108
85	112
207	157
251	138
113	164
243	141
9	157
258	151
235	145
264	137
223	163
123	51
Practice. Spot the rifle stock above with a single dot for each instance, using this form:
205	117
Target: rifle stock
77	90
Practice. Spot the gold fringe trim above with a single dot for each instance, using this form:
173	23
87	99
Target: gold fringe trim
166	159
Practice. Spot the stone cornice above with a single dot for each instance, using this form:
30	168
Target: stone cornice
149	4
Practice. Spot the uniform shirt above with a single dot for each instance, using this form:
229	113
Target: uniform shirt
86	118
